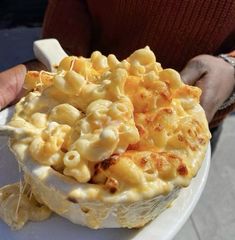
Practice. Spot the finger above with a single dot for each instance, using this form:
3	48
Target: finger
208	100
193	71
21	94
11	82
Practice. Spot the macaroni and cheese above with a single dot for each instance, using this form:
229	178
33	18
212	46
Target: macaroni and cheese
128	130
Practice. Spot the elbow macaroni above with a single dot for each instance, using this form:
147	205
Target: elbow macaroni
111	122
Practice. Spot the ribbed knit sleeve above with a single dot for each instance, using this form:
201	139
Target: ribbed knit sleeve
69	22
175	30
220	115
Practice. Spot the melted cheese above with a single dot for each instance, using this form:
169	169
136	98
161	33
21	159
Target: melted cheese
93	109
18	205
128	130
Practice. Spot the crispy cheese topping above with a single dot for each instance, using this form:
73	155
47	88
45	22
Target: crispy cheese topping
117	126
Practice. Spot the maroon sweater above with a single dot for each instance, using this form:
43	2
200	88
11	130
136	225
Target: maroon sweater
175	30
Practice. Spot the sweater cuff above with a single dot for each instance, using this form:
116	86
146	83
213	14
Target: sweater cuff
220	115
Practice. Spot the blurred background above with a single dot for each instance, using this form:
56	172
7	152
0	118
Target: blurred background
20	25
214	215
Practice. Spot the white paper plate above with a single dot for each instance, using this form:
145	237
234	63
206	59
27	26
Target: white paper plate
165	227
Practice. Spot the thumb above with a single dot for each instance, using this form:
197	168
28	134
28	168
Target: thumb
11	82
193	71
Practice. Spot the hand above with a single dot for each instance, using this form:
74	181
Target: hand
11	82
214	76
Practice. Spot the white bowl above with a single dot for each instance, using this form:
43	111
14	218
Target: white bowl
163	227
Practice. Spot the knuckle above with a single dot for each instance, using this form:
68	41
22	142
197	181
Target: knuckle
199	64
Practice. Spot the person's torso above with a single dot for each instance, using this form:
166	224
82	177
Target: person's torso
175	30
